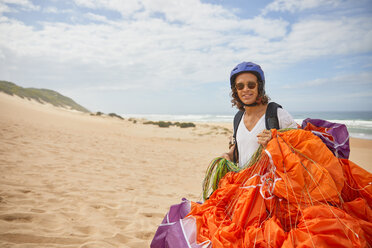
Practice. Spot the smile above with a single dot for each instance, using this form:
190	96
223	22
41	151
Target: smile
247	95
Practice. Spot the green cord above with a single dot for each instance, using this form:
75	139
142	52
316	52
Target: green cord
219	167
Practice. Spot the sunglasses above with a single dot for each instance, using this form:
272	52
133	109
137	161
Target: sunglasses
251	85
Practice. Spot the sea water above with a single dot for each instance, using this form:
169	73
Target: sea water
359	124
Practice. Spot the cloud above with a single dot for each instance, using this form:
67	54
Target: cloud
359	79
95	17
169	43
295	5
4	8
319	37
191	12
52	10
126	8
24	5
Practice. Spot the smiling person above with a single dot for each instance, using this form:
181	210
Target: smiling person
256	115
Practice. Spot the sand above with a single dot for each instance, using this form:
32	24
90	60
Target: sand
70	179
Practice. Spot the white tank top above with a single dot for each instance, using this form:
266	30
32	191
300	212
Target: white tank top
247	140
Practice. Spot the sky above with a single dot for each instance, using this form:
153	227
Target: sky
175	57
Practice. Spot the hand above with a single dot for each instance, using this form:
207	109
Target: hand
264	137
229	155
225	156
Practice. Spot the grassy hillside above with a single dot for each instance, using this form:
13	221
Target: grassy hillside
41	95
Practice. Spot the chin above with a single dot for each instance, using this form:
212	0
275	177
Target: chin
249	102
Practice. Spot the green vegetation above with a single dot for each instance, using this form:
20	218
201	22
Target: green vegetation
99	113
132	120
41	95
186	124
115	115
168	124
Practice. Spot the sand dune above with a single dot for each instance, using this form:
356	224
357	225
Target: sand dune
73	180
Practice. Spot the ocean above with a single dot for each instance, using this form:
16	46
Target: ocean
359	124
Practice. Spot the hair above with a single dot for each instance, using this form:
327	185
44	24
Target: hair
262	97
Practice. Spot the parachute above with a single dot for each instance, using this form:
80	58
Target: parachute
301	191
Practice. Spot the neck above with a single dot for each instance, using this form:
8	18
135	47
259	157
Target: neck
254	109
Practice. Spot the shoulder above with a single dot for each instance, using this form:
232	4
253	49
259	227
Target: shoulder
238	116
285	119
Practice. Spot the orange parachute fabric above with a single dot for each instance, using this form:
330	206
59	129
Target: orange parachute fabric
297	195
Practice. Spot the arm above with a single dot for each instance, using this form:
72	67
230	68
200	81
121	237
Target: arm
285	119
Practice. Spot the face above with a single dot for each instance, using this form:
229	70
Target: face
247	95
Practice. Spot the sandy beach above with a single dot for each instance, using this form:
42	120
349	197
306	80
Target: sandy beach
70	179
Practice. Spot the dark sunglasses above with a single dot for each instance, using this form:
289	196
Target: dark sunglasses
251	85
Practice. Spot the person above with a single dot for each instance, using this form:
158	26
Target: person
248	94
305	195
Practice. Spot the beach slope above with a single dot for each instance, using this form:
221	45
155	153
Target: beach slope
69	179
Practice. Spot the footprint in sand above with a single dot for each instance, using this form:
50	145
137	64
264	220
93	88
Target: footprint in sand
150	215
25	191
104	206
87	230
144	235
16	217
35	210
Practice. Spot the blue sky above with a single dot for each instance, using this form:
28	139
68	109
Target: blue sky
175	57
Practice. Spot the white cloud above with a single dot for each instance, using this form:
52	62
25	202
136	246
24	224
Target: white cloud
261	27
126	8
25	5
318	38
359	79
96	17
4	8
187	42
295	5
50	9
54	10
189	12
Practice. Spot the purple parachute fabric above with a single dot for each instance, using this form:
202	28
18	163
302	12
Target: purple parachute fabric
169	233
340	144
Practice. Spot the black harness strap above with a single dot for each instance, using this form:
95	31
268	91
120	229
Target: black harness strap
271	116
237	119
271	122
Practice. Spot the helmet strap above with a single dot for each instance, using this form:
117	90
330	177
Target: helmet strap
250	105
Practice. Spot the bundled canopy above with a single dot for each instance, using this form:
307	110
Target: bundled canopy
297	194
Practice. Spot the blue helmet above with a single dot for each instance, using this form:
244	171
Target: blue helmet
248	67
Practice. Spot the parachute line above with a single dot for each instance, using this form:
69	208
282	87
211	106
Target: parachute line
320	191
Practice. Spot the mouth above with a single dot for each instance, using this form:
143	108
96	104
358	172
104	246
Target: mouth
247	96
